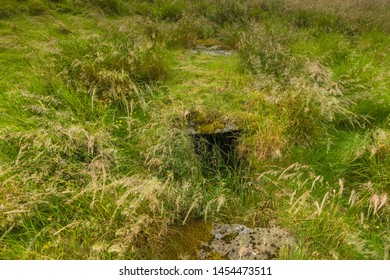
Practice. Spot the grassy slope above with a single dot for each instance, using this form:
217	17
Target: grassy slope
103	177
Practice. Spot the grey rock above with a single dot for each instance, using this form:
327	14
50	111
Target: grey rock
234	242
212	50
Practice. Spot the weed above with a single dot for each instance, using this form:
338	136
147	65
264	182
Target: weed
322	205
172	11
267	142
173	153
113	71
37	8
265	52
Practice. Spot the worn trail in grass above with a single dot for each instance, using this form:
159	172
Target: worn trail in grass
213	82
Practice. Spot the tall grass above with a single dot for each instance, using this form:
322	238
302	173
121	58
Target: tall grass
113	69
315	209
63	192
12	8
170	151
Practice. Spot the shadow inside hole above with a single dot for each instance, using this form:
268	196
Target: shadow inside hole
217	151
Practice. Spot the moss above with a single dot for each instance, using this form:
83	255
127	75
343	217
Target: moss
210	122
183	241
201	121
211	127
215	256
200	117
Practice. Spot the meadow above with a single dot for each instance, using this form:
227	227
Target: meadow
96	98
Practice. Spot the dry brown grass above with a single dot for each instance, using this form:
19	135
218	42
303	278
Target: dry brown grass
377	11
268	142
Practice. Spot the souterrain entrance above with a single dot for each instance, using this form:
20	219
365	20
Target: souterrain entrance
217	151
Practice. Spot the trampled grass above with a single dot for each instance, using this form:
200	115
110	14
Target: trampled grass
96	161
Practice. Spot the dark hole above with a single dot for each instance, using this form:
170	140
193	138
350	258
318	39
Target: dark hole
217	150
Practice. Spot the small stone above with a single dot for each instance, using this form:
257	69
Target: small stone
234	241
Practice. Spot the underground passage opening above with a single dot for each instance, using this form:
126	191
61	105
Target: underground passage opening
217	150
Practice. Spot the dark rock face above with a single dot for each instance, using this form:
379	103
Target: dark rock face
234	242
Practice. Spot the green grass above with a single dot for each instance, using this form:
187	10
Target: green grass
96	96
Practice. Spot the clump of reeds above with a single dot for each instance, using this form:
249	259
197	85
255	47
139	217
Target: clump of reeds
113	68
342	214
